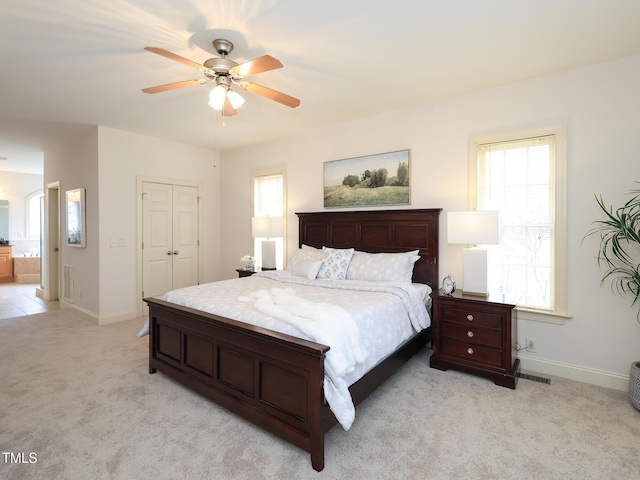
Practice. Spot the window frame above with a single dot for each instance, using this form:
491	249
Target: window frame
280	262
559	313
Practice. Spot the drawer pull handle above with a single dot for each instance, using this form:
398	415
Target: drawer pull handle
470	334
470	317
470	351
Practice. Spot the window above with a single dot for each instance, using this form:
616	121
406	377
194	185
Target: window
269	199
522	174
33	212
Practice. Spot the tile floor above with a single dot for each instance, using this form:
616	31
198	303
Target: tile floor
18	299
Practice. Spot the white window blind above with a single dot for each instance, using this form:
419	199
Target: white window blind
522	176
268	199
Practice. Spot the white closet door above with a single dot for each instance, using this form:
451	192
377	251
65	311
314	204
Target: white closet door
185	236
170	237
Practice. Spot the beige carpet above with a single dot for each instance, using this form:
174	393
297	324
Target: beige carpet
80	398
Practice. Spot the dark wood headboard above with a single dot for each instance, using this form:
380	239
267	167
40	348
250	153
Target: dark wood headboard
377	231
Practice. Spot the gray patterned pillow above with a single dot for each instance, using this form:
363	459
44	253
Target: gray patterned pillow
335	263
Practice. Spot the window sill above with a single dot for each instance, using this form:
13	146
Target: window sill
554	318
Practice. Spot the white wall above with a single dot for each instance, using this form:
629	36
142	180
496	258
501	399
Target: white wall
600	106
106	163
75	165
123	157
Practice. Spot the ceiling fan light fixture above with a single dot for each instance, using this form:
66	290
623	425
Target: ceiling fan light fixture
216	97
235	99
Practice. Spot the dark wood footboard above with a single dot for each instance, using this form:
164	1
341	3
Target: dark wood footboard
271	379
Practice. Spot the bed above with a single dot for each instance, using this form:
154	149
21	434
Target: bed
275	380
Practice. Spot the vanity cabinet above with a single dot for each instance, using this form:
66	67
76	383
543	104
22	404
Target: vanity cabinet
6	264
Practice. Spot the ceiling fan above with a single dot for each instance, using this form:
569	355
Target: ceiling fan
224	73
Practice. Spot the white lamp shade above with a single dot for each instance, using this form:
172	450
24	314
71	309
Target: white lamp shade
267	227
217	96
478	228
235	99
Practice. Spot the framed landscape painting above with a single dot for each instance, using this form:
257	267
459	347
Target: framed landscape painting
381	179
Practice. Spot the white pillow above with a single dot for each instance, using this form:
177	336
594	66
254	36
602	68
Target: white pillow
304	255
306	269
335	262
382	267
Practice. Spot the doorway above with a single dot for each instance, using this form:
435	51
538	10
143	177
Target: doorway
50	272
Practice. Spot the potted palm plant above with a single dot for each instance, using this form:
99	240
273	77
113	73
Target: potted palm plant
619	255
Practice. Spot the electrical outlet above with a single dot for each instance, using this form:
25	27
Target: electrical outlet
531	345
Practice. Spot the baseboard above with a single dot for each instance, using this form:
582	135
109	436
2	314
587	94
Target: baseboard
575	372
118	317
96	319
81	312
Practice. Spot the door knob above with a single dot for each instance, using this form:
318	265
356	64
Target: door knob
176	252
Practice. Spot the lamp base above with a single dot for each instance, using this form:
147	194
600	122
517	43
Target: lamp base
474	275
268	255
475	294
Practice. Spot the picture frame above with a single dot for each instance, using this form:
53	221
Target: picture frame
76	226
371	180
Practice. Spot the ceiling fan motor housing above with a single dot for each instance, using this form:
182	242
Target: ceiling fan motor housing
218	65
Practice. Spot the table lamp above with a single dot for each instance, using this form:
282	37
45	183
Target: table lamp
269	228
474	228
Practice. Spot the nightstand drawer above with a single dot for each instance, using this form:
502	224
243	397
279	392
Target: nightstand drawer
472	352
469	316
470	334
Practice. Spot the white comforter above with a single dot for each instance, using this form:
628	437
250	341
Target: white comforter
380	316
325	323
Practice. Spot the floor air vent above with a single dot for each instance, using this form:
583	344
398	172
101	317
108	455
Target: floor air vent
67	283
535	378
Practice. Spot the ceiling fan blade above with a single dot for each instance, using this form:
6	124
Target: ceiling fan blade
176	58
228	110
257	65
271	94
173	86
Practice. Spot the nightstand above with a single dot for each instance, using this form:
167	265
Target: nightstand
245	273
476	335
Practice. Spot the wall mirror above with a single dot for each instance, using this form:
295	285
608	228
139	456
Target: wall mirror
4	220
76	228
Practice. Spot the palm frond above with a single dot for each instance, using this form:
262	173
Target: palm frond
619	232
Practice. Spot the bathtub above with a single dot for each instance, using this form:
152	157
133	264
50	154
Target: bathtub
26	269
